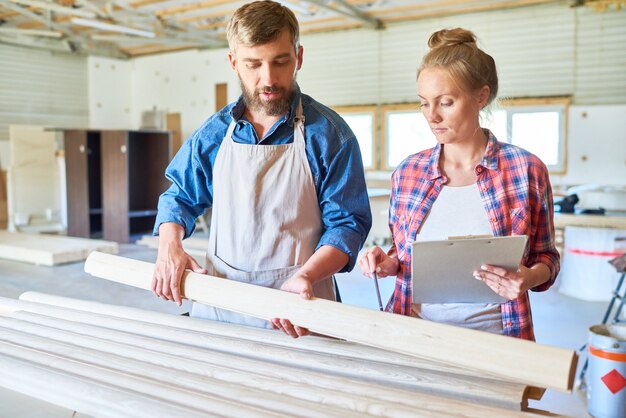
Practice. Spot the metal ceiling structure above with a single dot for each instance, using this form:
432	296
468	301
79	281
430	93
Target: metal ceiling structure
129	28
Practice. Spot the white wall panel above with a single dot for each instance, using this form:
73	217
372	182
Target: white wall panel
40	88
110	93
341	68
182	82
596	146
601	57
530	62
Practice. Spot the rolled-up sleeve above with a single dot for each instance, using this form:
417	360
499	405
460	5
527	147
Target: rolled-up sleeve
189	194
344	202
542	246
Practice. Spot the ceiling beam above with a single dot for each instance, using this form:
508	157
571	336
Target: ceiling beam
206	16
69	41
406	11
166	27
348	10
453	7
189	7
34	16
34	43
53	7
31	32
94	8
141	3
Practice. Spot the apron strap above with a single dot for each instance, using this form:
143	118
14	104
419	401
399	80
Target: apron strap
229	132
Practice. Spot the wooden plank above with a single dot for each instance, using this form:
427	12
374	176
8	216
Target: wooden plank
318	344
192	360
246	388
156	48
141	3
115	188
321	29
539	365
194	18
136	383
191	6
445	383
81	394
172	122
77	183
221	96
313	343
49	250
203	393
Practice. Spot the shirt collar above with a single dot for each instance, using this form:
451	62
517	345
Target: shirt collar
489	160
236	113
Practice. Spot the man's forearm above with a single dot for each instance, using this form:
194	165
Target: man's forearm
325	262
170	233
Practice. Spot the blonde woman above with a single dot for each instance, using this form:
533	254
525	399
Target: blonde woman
468	184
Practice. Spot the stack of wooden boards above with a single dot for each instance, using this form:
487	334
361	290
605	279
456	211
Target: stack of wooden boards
106	360
194	246
50	250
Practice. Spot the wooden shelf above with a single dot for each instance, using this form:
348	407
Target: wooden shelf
141	213
114	179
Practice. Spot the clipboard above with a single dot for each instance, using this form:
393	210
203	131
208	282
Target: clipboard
442	271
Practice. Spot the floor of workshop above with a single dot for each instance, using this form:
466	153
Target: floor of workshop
559	320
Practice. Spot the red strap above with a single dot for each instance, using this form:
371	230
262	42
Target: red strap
594	253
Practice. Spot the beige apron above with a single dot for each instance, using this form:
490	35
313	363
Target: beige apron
266	220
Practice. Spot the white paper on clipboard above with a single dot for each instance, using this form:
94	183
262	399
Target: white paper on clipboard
442	271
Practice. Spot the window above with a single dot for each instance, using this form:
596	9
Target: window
406	132
361	120
537	125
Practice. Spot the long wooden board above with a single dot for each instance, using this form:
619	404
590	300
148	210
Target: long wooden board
319	344
341	363
509	358
49	250
81	394
348	394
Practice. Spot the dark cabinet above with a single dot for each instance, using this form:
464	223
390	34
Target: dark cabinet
114	179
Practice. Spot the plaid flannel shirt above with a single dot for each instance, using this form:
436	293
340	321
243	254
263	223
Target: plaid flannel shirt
516	193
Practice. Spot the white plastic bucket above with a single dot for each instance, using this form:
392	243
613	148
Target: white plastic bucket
585	270
606	373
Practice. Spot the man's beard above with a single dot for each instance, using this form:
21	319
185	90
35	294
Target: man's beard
274	107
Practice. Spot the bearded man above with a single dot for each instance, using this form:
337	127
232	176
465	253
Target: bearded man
282	173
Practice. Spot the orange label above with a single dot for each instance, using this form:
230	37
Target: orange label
607	355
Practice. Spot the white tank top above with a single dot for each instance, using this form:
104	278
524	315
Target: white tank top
458	211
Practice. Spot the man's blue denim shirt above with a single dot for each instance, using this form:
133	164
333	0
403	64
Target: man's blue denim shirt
333	153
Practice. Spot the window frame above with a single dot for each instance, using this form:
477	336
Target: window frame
541	104
380	139
366	109
384	144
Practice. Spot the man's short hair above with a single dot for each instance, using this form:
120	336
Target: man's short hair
260	22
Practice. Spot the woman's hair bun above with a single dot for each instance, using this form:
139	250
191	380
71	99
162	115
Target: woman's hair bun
451	37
